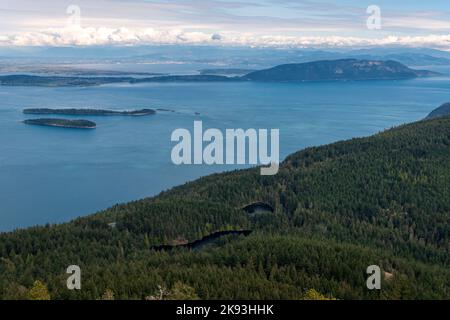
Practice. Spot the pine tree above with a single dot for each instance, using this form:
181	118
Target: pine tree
108	295
38	291
312	294
181	291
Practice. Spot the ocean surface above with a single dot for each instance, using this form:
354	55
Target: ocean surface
52	175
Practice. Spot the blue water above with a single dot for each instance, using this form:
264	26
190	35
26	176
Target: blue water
50	175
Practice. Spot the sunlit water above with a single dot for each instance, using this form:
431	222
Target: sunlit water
53	175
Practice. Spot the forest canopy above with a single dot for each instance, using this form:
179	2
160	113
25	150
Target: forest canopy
382	200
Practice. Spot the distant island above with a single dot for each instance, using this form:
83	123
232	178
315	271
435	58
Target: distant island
69	71
62	123
345	69
89	112
325	70
442	111
59	81
187	78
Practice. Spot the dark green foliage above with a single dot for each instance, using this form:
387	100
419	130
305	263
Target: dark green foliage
381	200
442	111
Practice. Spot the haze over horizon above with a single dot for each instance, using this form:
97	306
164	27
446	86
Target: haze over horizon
303	23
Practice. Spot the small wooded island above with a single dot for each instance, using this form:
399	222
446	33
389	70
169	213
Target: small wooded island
62	123
89	112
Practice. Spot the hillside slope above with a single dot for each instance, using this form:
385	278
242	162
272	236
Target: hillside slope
442	111
339	208
344	69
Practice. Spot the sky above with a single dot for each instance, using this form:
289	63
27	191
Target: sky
294	23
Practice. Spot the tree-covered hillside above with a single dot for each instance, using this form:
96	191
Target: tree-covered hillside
382	200
442	111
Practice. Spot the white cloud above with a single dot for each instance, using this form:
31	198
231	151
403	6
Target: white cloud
417	22
71	36
296	23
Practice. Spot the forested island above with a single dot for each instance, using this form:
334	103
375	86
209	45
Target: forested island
325	70
381	200
333	70
89	112
62	123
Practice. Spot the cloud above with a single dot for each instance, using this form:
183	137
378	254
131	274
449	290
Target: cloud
417	22
295	23
73	36
216	37
86	36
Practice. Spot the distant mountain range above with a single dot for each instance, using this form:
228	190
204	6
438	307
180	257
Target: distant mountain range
325	70
233	57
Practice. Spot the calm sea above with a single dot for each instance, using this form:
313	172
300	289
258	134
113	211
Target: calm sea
50	175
